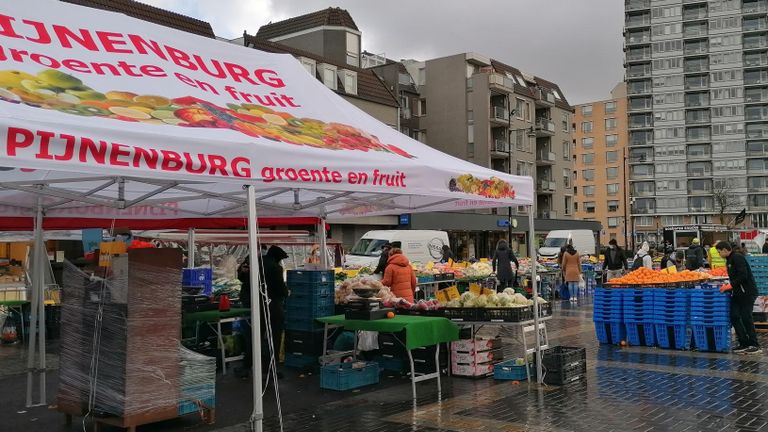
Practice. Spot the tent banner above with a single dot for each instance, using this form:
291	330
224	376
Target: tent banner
98	93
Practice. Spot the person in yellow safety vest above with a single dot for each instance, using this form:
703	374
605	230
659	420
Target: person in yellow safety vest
715	261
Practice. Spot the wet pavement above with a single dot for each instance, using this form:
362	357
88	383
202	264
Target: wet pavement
626	389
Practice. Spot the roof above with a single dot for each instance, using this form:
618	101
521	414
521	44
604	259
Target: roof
327	17
150	14
369	86
560	103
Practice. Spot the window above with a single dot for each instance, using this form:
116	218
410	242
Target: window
586	127
422	107
611	140
610	123
612	188
470	150
310	65
471	133
519	110
671	220
566	151
329	76
586	110
350	82
611	173
613	222
588	158
567	178
587	142
353	49
568	201
566	123
644	221
589	206
610	107
588	174
611	156
589	190
613	206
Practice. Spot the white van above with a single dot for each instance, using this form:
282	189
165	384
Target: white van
583	241
419	246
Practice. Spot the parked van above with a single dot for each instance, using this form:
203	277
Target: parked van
418	245
582	240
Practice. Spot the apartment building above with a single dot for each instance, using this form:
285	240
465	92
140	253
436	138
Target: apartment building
697	81
600	145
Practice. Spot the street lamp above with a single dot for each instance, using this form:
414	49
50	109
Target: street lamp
530	133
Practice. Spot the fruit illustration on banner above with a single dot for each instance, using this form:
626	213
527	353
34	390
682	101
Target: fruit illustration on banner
56	90
493	187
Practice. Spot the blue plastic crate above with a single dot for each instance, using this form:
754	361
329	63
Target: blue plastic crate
302	324
344	376
198	277
303	313
601	332
307	302
641	333
617	330
310	276
300	361
389	363
681	334
311	289
720	340
194	398
508	370
425	279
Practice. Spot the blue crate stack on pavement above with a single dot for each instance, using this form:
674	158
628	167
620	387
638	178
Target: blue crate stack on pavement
608	316
638	316
312	297
759	266
588	270
671	318
710	319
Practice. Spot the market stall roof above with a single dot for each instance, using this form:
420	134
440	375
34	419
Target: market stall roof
233	236
116	120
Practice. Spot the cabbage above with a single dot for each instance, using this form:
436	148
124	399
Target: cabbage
509	291
519	299
504	300
493	300
467	296
455	303
481	301
470	303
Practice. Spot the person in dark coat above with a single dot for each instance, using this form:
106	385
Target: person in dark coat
277	292
615	262
383	258
447	254
765	246
502	265
694	256
743	295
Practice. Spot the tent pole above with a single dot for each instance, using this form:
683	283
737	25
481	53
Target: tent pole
532	255
257	415
37	310
191	248
323	244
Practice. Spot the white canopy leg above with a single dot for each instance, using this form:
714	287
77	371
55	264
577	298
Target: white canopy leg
323	244
191	248
257	416
533	256
37	308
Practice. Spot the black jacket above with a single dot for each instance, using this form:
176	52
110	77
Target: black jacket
740	275
765	248
694	257
618	263
502	262
382	263
271	275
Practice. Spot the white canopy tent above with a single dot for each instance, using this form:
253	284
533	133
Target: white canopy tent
105	119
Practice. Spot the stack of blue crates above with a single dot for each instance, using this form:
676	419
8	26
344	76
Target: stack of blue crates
588	270
608	316
312	297
638	316
710	318
671	319
201	277
759	266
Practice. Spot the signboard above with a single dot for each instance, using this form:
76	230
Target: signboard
502	223
405	219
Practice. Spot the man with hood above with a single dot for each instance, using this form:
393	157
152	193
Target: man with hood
502	265
277	292
643	258
694	256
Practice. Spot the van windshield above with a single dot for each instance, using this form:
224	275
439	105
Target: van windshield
368	247
554	242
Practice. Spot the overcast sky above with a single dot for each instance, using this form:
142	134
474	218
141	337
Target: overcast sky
574	43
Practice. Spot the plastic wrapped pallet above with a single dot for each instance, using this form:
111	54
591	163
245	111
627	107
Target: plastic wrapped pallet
120	341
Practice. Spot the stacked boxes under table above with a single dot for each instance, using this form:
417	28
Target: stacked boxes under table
312	297
475	357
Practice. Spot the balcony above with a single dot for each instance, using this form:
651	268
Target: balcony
755	78
633	5
545	127
547	215
754	7
696	68
544	98
703	118
499	148
752	42
695	14
638	39
694	50
697	102
751	60
754	24
633	89
545	186
638	21
756	96
499	114
638	55
640	104
546	158
641	124
695	32
639	71
501	83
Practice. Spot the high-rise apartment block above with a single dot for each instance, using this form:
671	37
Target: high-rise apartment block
600	145
697	80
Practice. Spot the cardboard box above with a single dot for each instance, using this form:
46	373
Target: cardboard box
475	345
472	370
477	357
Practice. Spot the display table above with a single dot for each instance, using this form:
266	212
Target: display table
420	332
214	319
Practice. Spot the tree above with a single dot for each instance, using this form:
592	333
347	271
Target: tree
726	200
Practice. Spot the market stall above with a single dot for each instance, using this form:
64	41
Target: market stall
153	128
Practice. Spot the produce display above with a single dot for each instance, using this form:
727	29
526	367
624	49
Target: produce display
226	286
478	270
345	289
525	266
719	272
506	299
646	276
405	305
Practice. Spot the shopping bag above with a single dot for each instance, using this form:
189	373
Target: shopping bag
368	340
582	282
565	293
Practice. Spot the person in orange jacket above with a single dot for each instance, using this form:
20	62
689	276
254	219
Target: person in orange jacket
399	275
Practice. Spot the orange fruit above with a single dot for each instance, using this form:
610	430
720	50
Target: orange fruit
390	314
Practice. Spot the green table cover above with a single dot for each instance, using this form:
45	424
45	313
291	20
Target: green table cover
213	315
13	302
420	331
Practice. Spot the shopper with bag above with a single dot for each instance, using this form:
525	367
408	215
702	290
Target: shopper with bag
502	265
643	258
571	267
743	295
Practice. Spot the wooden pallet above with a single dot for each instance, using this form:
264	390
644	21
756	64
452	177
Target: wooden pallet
207	414
761	327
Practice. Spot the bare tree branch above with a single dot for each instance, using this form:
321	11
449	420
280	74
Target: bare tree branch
726	200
